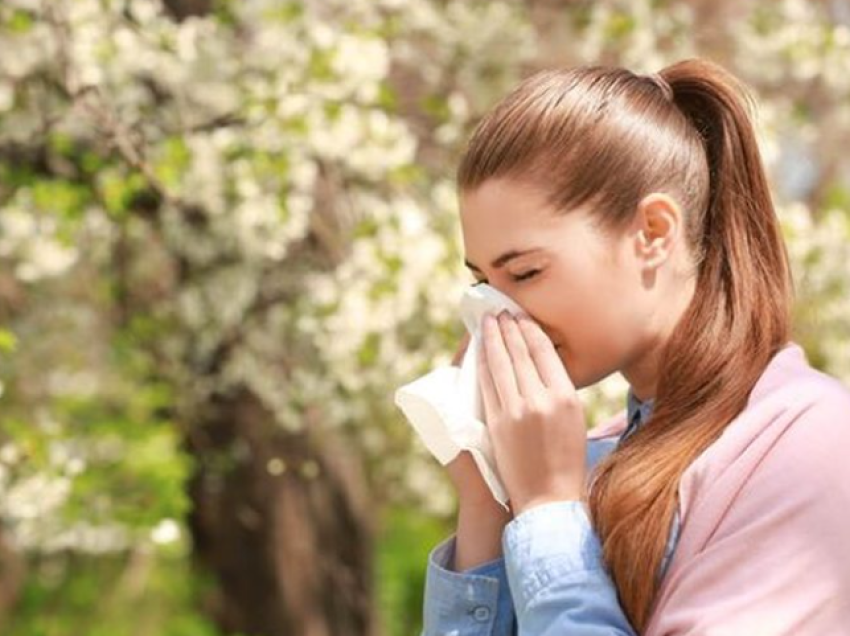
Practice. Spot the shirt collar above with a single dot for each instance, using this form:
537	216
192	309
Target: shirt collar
634	405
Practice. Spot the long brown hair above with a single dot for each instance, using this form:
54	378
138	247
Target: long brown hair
605	137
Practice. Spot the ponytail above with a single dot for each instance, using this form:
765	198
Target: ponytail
738	320
604	138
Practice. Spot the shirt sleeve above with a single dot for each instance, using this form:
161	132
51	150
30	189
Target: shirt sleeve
559	584
474	602
478	601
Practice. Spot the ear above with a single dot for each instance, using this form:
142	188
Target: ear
660	224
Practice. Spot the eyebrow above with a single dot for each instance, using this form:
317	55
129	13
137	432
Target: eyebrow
502	260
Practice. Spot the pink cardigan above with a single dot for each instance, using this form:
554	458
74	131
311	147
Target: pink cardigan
764	546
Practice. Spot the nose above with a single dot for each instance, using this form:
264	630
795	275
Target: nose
526	311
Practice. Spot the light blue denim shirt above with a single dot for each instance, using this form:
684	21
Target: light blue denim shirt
551	579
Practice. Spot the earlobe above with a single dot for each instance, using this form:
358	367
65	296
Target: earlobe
657	256
652	250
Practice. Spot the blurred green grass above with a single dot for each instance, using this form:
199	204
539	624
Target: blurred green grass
408	535
156	593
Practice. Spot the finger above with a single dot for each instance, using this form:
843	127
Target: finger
488	390
499	364
528	379
552	371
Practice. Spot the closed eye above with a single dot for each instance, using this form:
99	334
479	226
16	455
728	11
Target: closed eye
529	274
517	279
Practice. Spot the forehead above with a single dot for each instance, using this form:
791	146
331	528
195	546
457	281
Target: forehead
501	215
502	205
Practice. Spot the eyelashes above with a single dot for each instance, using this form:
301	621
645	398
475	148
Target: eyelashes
517	279
529	274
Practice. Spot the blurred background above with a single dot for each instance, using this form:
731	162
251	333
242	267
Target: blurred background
228	232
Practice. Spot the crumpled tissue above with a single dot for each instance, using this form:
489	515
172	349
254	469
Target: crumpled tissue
445	407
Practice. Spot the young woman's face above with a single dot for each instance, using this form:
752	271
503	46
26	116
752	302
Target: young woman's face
589	294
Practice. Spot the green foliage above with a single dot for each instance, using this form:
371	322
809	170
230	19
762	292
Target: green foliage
118	189
173	160
8	341
405	540
134	594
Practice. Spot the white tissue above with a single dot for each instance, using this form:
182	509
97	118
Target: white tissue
445	406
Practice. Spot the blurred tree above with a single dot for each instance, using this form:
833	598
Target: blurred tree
11	577
229	231
195	171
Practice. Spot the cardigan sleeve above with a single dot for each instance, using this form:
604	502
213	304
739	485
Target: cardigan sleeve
777	559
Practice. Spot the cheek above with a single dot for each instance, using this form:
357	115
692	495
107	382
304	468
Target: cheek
593	346
578	305
578	299
593	321
590	312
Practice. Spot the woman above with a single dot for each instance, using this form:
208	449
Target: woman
630	217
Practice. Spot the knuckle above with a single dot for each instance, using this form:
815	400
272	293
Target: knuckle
515	413
537	408
500	425
568	400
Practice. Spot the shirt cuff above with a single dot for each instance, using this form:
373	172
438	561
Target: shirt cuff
551	542
465	601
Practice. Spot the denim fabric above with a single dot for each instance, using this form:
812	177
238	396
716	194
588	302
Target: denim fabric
551	579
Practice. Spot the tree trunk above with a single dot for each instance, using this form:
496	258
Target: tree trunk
12	574
282	525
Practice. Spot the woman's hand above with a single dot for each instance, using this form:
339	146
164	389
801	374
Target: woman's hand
480	519
468	482
535	419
